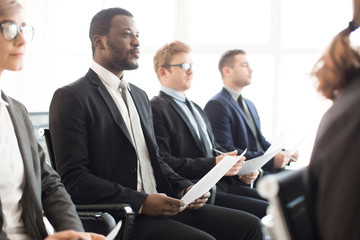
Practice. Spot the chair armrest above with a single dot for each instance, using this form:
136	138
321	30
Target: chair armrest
119	212
98	222
213	195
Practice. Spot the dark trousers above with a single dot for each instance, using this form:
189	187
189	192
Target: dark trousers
242	197
254	206
209	222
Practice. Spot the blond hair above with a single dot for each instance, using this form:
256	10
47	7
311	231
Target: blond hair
9	7
165	54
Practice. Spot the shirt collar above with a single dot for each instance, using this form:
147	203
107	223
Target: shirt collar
173	93
234	94
2	101
106	76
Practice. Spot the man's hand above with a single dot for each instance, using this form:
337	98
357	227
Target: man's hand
281	159
200	202
249	178
295	156
160	205
70	235
235	169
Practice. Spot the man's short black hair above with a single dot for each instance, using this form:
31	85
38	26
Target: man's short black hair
101	22
227	59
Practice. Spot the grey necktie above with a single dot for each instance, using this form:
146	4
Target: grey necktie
146	170
250	120
203	138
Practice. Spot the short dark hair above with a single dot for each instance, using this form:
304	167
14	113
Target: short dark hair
227	59
101	22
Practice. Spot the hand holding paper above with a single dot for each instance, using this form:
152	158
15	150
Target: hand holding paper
252	165
199	202
234	169
211	178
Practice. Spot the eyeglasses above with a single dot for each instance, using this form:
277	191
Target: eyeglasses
10	31
185	66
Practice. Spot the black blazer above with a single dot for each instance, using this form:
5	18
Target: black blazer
178	142
43	192
93	149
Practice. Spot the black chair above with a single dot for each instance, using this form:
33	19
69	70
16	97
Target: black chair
39	121
290	213
99	218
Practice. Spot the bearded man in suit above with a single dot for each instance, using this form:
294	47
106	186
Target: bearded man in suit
105	148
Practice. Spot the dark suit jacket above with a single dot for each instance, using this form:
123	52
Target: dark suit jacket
43	190
93	150
334	168
178	142
177	139
231	128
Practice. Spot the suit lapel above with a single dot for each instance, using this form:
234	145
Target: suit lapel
207	123
235	105
183	116
138	104
114	112
20	130
30	199
253	113
110	103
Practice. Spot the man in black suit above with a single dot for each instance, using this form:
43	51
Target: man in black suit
103	136
184	134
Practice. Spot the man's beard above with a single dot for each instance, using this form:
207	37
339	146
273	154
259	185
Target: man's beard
122	64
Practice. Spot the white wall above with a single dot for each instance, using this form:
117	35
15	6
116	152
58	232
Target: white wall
283	39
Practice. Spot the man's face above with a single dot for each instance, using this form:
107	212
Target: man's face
176	78
122	44
241	72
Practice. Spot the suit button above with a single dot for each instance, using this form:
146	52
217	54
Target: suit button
133	170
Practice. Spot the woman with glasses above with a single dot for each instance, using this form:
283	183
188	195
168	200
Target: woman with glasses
29	188
334	168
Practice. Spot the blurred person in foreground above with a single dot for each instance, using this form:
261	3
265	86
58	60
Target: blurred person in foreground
106	152
334	169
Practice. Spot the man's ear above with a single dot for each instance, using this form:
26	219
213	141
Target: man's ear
226	70
99	42
162	72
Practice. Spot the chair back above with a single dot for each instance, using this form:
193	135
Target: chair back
45	132
99	218
289	205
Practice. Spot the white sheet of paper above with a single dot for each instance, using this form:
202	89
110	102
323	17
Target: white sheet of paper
295	147
252	165
211	178
114	232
